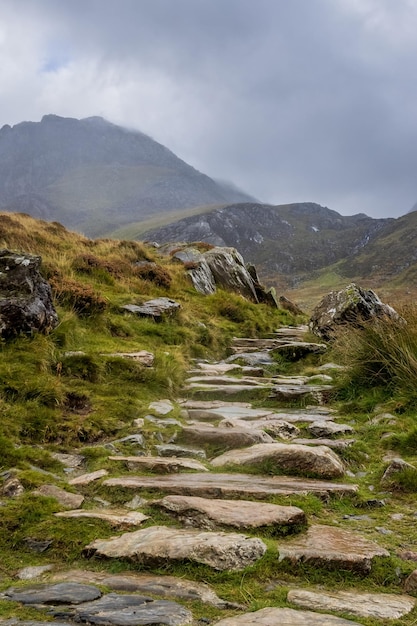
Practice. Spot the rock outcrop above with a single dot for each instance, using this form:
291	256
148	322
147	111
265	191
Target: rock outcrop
25	296
350	306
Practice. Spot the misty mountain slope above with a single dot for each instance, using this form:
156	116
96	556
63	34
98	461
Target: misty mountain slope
95	176
286	242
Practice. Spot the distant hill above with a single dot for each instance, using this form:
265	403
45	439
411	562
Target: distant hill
95	177
287	243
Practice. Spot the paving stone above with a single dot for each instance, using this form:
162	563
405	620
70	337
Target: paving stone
171	449
132	610
238	437
161	407
160	544
160	464
285	617
86	479
353	602
60	593
332	547
292	458
211	513
115	517
160	586
328	429
65	498
234	485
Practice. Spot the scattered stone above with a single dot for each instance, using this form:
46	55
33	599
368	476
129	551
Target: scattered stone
34	571
161	407
170	450
12	488
222	551
333	548
113	516
38	545
359	604
410	585
395	466
69	460
161	586
211	513
145	358
284	617
239	486
236	438
292	458
65	499
157	309
86	479
349	306
408	555
136	502
328	429
163	423
134	440
160	464
61	593
331	366
132	610
25	297
139	422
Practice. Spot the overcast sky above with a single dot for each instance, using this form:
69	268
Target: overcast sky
292	100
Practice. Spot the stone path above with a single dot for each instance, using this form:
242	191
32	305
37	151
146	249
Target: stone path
193	477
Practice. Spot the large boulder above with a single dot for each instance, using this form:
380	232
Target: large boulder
25	297
350	306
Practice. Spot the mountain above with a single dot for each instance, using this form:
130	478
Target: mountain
287	242
95	176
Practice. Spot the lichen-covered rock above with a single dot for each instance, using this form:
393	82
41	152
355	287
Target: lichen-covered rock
25	297
351	305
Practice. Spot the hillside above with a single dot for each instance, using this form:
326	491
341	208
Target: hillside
94	176
287	242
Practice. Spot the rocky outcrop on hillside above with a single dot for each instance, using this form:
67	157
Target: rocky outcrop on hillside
25	297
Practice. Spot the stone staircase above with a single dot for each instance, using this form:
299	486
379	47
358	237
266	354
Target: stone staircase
218	478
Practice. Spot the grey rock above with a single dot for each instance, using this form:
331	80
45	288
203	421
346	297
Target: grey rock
115	517
25	297
161	407
60	593
252	358
328	429
158	309
285	617
69	460
359	604
230	438
12	487
350	306
65	498
160	464
86	479
171	449
34	571
396	465
332	547
132	610
145	358
297	350
291	458
159	544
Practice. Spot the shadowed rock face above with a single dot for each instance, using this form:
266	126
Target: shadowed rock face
349	306
25	297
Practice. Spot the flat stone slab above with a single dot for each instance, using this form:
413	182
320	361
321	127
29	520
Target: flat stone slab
210	513
222	551
161	407
69	460
296	392
227	411
113	516
160	464
284	617
336	444
359	604
230	438
273	427
158	308
132	610
143	357
221	368
59	593
162	586
86	479
296	350
235	486
252	358
332	547
35	571
249	381
328	429
171	449
65	498
249	391
292	458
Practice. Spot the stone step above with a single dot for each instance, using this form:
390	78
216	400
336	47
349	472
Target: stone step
252	392
233	485
211	514
284	393
291	458
219	409
328	429
115	517
164	465
332	547
224	437
221	368
284	617
161	544
335	444
353	602
249	381
273	427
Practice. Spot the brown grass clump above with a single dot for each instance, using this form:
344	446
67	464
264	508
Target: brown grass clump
82	298
154	273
